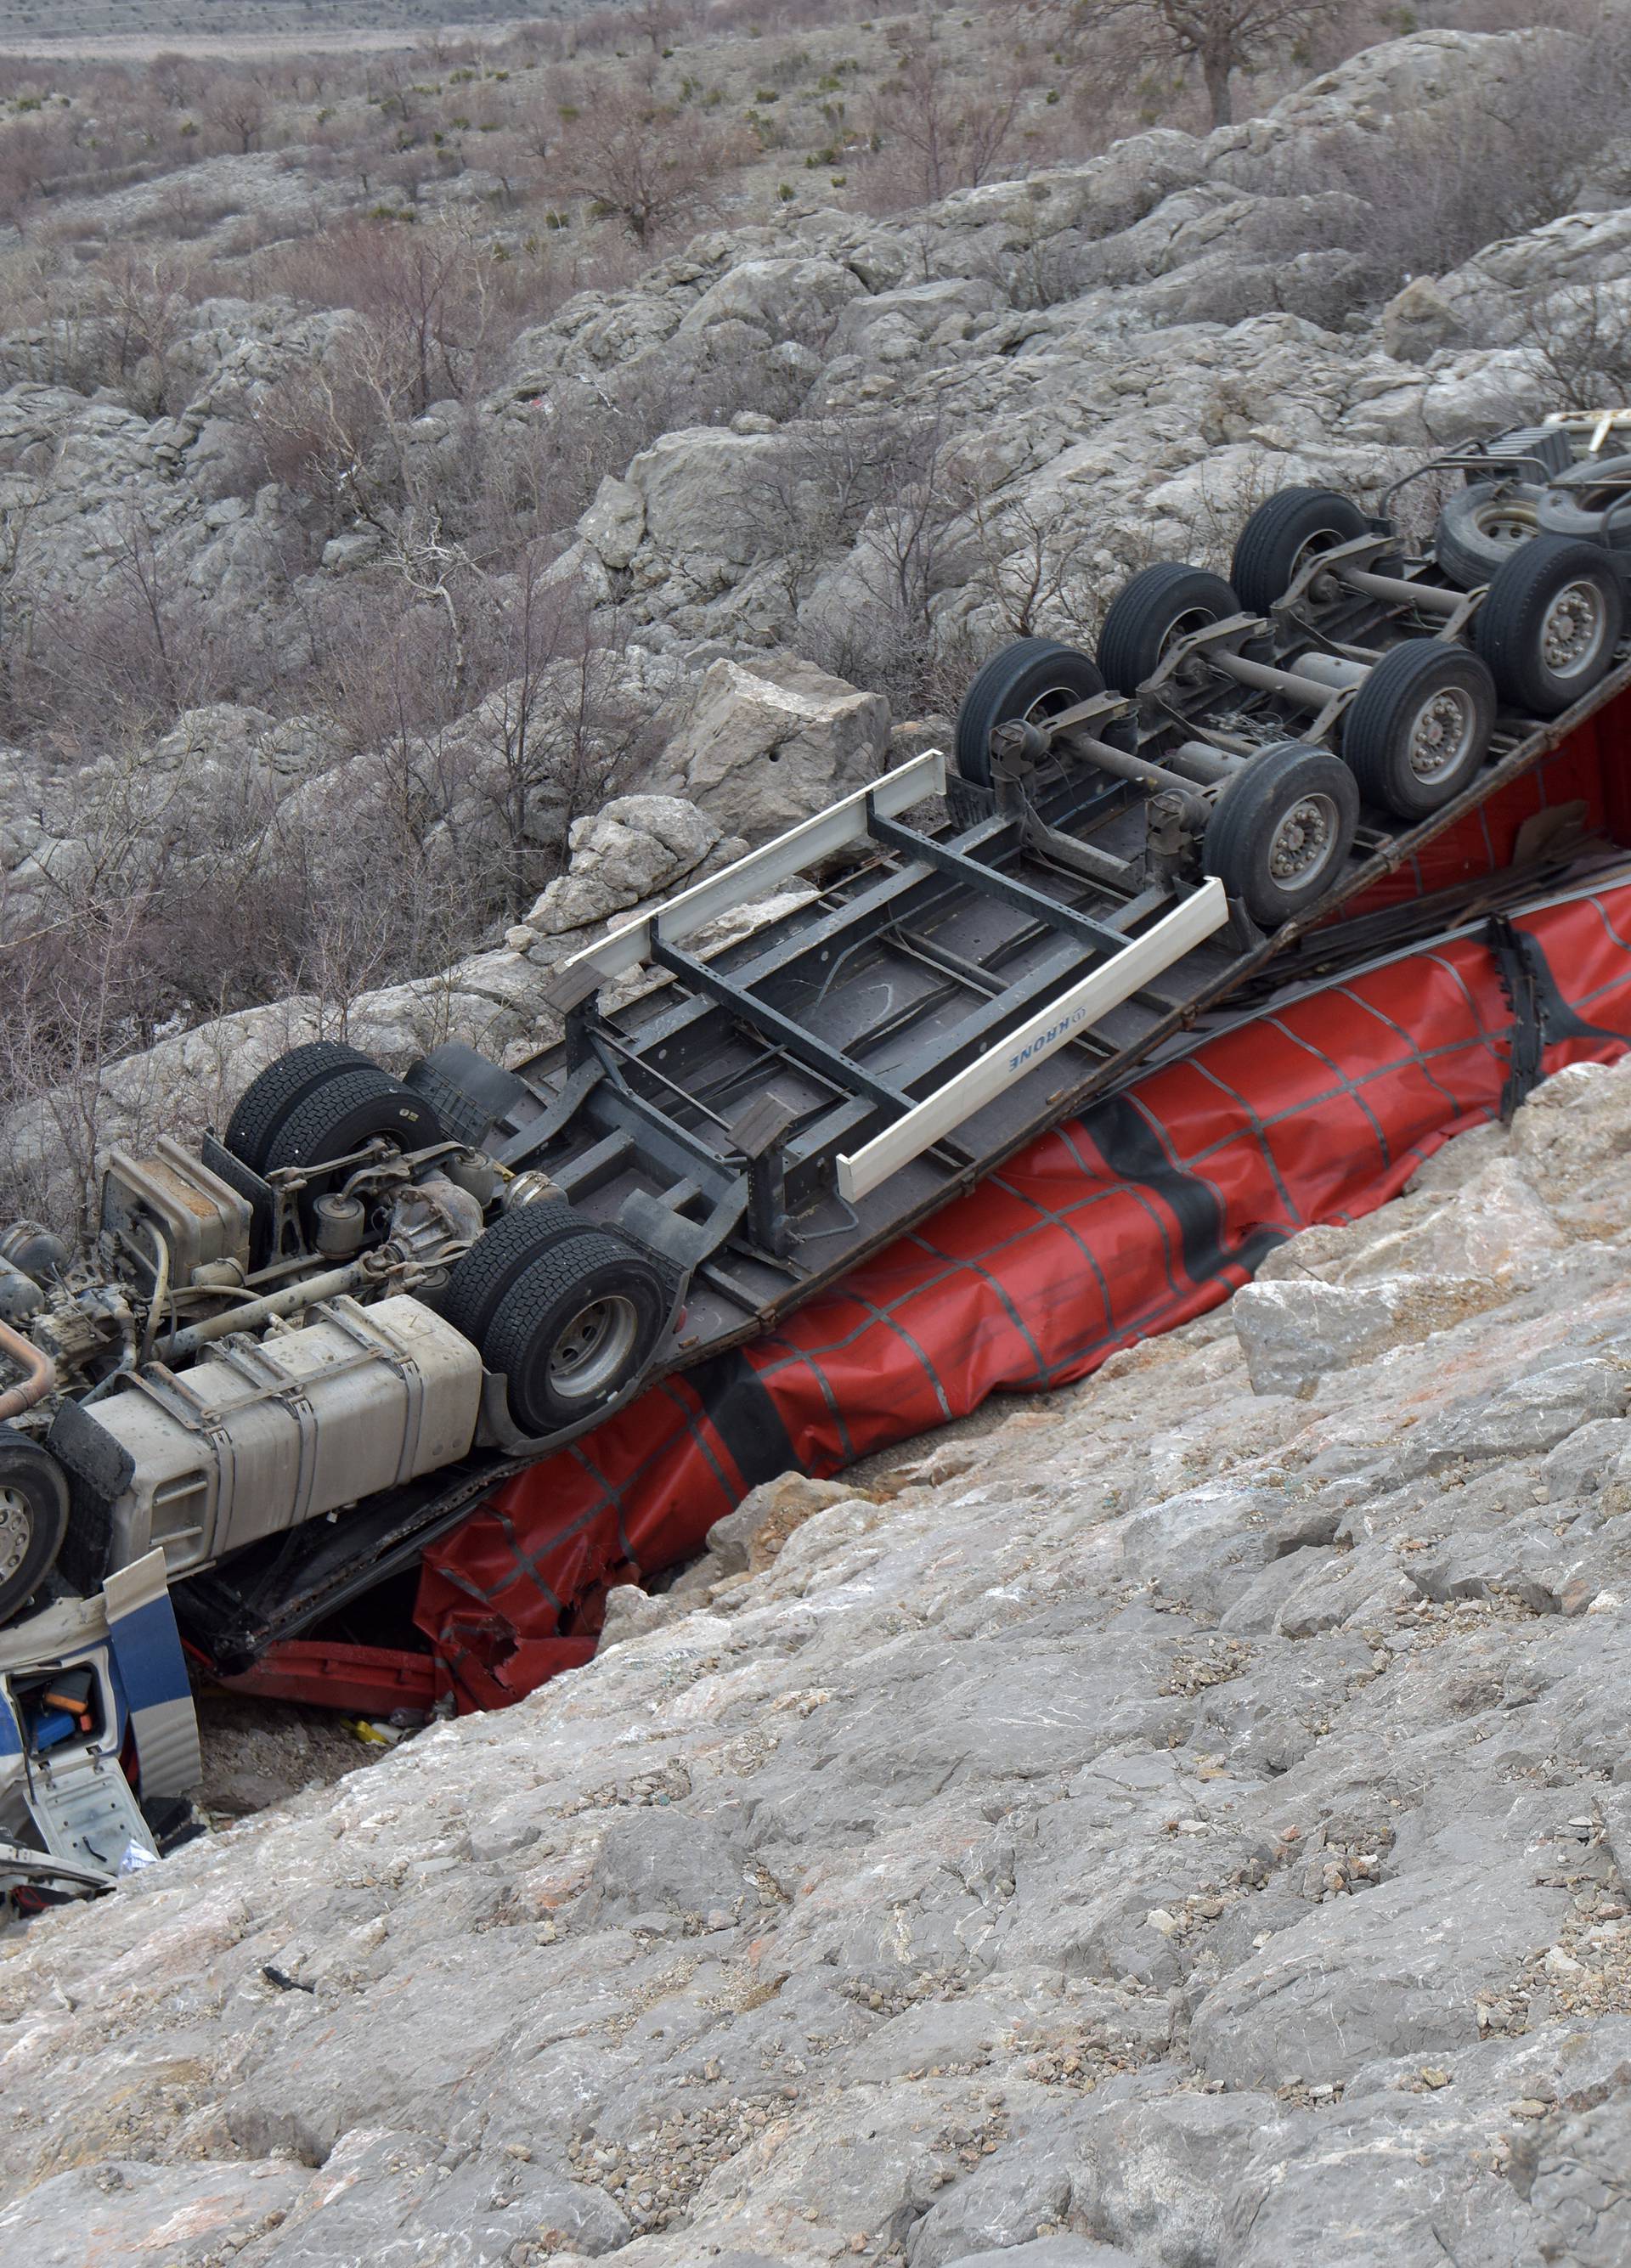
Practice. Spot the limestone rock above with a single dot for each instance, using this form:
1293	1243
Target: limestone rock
614	522
748	1539
635	847
759	747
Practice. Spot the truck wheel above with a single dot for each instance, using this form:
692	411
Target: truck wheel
577	1325
1550	623
1482	526
33	1517
279	1091
1590	502
501	1255
1280	537
1161	604
1031	680
1419	726
469	1094
349	1108
1281	829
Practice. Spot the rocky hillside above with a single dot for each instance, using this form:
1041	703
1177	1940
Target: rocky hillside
1183	1822
708	535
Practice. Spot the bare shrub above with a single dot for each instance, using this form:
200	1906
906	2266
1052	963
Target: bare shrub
236	108
935	129
1580	338
644	165
1030	562
441	305
65	1009
888	488
132	658
1521	155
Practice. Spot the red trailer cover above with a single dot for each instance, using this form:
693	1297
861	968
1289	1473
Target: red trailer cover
1141	1213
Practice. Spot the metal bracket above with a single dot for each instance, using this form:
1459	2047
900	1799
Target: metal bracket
758	1134
1361	552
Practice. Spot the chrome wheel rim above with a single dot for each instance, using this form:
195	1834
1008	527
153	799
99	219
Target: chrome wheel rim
1571	637
1304	843
1053	703
16	1531
595	1349
1441	734
1314	547
1506	519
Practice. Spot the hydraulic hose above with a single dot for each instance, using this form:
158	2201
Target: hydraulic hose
40	1372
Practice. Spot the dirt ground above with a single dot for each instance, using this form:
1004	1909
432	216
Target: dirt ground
134	30
257	1753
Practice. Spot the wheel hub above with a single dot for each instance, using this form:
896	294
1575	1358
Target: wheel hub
595	1347
1574	630
17	1532
1505	518
1303	841
1440	735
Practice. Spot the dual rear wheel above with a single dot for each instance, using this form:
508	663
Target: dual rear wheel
1554	609
568	1311
1281	828
1420	725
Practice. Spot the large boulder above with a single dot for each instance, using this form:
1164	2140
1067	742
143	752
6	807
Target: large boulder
760	745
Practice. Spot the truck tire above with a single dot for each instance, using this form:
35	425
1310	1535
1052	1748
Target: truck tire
33	1517
349	1108
503	1253
1160	604
1033	679
1419	727
1549	624
1590	503
1276	542
279	1091
1281	829
1482	526
575	1328
469	1094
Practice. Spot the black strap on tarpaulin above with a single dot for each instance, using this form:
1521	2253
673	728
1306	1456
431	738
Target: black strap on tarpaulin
1133	1150
1522	967
741	1411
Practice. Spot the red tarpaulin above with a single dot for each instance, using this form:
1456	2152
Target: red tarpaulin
1141	1213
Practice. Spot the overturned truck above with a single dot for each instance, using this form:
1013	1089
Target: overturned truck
291	1358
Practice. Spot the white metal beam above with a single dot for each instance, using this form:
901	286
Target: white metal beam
1103	987
737	884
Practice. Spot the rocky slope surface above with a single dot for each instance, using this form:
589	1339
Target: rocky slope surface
1184	1822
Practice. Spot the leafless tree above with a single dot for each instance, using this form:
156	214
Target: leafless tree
644	166
1219	36
659	21
236	107
1580	338
953	131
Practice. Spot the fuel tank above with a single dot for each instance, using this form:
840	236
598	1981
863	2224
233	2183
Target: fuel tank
264	1433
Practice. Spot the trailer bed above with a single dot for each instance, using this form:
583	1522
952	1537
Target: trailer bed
896	1012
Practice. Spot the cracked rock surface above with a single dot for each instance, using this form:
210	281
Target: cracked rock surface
1175	1821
